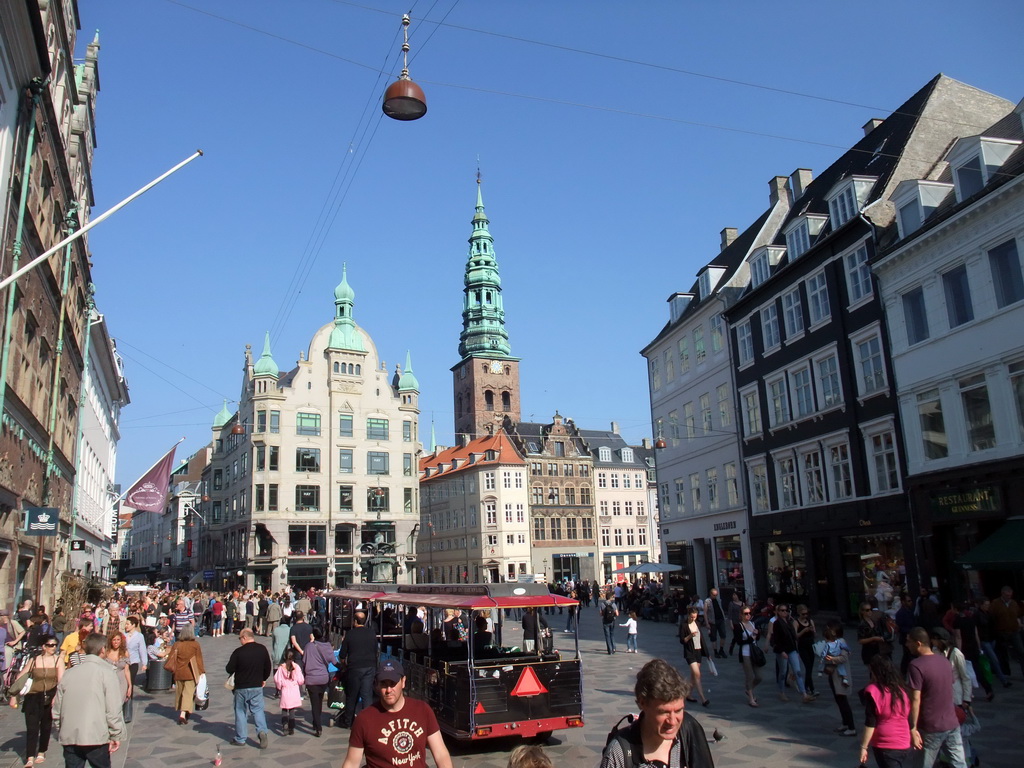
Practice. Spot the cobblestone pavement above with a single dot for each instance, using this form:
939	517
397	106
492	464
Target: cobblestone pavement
776	735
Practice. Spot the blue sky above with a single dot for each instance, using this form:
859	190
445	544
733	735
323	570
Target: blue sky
607	178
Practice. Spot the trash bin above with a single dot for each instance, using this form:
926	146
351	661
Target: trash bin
157	677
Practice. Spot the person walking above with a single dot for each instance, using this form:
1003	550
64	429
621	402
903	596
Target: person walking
783	641
869	634
46	671
359	652
608	615
1006	623
734	612
532	622
836	658
261	614
273	614
289	680
965	635
87	708
319	655
630	626
714	612
934	728
695	649
185	662
138	656
118	656
250	665
395	731
987	638
806	634
886	713
745	636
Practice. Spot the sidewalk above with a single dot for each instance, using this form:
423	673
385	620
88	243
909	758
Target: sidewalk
776	735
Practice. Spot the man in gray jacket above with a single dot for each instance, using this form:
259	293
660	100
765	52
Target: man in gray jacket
87	708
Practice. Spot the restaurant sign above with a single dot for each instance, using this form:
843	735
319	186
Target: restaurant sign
959	503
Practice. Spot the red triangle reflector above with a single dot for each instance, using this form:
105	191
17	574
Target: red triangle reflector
479	709
529	684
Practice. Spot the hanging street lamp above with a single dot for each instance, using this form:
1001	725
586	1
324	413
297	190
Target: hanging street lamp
404	100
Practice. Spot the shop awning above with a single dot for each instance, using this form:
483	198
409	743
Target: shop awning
1003	549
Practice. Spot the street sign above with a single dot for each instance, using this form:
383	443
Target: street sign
41	521
209	575
78	545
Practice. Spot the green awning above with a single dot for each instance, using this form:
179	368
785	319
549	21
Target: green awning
1003	549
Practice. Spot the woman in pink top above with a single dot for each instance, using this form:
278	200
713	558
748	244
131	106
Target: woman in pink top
289	679
886	723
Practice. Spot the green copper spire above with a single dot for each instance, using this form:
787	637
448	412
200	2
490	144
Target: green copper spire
266	366
408	380
345	335
223	417
433	437
483	315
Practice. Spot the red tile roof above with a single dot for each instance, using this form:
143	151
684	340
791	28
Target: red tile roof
440	464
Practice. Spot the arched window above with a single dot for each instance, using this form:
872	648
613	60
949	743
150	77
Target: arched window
359	369
489	400
458	406
337	368
506	401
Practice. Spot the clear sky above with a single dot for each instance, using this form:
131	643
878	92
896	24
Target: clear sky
615	141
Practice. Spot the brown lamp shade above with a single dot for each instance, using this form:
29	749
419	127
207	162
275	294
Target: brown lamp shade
238	429
660	443
404	100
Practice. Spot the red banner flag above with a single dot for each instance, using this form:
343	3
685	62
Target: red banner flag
150	491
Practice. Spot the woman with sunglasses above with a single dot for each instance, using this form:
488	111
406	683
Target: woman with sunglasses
46	670
745	635
806	634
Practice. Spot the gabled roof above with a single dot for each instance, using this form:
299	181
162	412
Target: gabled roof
530	436
601	438
454	460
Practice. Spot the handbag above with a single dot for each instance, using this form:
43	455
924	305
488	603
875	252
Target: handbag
757	657
230	682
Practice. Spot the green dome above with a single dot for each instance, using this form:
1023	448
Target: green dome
408	380
266	366
223	417
344	291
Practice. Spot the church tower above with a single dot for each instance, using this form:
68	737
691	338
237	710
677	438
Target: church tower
486	379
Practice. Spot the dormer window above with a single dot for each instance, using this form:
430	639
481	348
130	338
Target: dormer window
627	455
708	279
915	201
801	233
604	454
847	198
678	302
975	160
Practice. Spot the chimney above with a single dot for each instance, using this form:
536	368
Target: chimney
728	235
800	178
646	443
615	427
778	188
871	124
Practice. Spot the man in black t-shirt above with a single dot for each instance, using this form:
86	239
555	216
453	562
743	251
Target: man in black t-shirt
301	634
359	653
250	664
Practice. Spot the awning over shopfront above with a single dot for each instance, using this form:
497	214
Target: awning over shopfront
1003	549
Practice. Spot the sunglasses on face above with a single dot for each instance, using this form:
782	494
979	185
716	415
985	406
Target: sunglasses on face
49	645
746	613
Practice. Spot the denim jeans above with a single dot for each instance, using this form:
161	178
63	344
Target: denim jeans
249	701
988	647
892	758
631	642
949	743
97	756
358	692
609	636
783	668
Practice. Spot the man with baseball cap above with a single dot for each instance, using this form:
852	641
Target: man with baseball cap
387	740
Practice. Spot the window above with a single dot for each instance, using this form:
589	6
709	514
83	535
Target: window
1017	389
627	457
570	495
377	463
778	403
680	495
307	498
556	528
560	449
770	327
843	206
585	495
839	471
759	487
689	420
489	481
630	537
346	494
670	365
1004	261
345	425
572	529
614	480
307	459
981	430
536	468
641	537
218	479
969	178
275	422
858	274
785	471
604	507
793	313
606	537
731	487
759	269
705	412
817	298
345	461
406	431
260	500
552	469
491	511
813	476
872	372
307	424
567	470
407	500
724	405
684	354
695	496
273	455
553	495
628	507
744	343
604	454
883	454
618	537
828	381
520	514
803	393
958	296
492	539
602	480
933	426
711	477
717	328
798	240
751	413
407	464
909	217
699	352
617	508
655	374
378	500
376	429
261	458
673	427
915	316
271	498
261	421
536	495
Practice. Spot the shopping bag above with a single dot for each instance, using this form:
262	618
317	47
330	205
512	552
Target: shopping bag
973	675
336	696
202	692
712	668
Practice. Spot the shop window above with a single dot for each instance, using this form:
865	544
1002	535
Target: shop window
875	568
786	562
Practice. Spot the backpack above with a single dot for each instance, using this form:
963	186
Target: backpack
608	615
626	736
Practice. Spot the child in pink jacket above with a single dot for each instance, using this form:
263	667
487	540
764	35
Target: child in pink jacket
289	680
